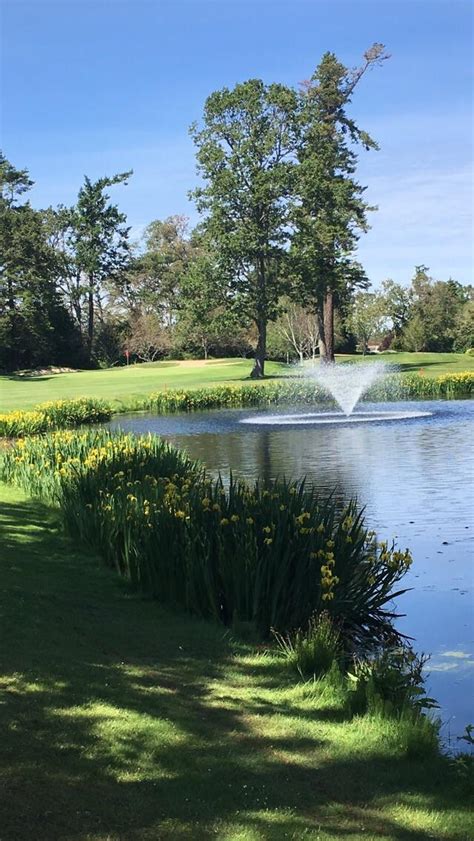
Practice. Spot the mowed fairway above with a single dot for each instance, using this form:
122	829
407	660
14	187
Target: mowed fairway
119	385
122	384
123	722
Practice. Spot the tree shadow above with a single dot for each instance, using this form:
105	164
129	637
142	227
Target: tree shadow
26	378
125	721
417	366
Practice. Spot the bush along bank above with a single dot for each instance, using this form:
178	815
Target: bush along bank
268	555
59	414
300	390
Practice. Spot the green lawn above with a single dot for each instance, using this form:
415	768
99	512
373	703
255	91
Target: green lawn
116	384
121	722
121	384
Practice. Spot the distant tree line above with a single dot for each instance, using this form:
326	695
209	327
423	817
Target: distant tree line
426	315
270	271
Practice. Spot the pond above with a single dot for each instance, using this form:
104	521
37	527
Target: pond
414	475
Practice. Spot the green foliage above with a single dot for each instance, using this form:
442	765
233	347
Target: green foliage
397	303
367	317
233	396
152	284
97	241
392	681
35	327
330	211
108	344
244	157
312	651
58	414
408	386
392	387
464	329
416	735
440	316
269	555
207	319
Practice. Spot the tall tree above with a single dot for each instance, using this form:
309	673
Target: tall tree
61	237
397	302
99	239
207	318
153	283
244	154
331	211
434	314
34	326
463	329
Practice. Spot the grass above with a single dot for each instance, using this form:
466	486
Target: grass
121	384
432	364
122	722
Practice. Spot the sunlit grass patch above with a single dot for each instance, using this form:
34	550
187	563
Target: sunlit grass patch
129	743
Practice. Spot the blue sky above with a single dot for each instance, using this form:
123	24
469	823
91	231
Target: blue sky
100	86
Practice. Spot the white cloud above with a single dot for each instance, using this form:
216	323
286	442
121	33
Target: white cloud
423	217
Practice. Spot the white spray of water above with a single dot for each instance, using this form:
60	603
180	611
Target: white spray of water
347	382
333	418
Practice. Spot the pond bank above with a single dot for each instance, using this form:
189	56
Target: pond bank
414	478
145	724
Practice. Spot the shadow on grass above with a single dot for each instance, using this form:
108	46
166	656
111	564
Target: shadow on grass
123	721
419	366
27	378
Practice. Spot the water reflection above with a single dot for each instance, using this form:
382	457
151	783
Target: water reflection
414	476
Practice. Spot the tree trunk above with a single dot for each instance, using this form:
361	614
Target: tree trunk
262	313
326	329
321	337
10	295
90	317
15	346
258	370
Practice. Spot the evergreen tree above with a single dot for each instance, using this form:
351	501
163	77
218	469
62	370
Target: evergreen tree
330	211
35	328
99	242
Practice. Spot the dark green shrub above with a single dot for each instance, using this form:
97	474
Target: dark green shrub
393	681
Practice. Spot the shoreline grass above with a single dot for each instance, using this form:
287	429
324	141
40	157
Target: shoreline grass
122	721
122	385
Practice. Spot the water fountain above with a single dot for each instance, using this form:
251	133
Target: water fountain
347	384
